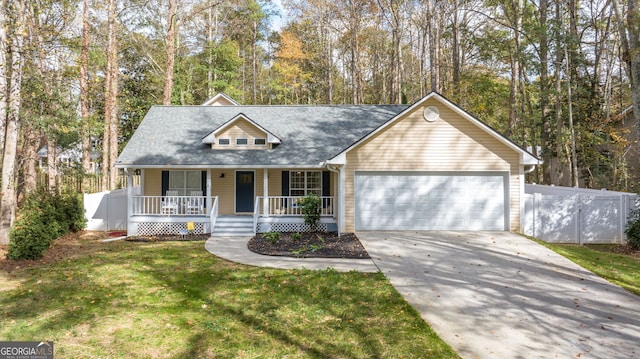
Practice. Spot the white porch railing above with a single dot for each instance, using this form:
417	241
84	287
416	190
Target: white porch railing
169	205
290	206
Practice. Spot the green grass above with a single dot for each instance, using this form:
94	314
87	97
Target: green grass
175	300
602	260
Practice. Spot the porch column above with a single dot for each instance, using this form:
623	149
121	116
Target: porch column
208	194
129	200
341	200
265	192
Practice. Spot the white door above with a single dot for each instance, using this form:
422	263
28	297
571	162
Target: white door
431	201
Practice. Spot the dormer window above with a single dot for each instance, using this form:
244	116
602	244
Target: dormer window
224	142
242	141
260	142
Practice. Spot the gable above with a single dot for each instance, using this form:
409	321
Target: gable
443	126
220	99
448	143
240	133
240	130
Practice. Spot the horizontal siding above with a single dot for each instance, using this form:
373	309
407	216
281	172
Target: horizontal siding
451	143
241	129
224	188
152	182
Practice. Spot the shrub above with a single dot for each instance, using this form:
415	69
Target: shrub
272	237
633	228
44	217
296	236
311	208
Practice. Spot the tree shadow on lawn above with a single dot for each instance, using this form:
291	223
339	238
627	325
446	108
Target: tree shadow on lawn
176	297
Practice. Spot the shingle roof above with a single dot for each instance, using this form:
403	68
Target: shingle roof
172	135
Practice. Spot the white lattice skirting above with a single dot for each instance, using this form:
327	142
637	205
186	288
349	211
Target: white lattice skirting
160	228
288	227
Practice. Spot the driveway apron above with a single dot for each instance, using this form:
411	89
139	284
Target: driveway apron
500	295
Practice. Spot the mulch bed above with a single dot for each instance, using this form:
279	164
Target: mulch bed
310	245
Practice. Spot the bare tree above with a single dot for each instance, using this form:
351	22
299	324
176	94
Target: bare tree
17	18
170	52
84	90
110	138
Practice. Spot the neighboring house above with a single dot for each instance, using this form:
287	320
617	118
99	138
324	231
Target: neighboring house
242	169
69	157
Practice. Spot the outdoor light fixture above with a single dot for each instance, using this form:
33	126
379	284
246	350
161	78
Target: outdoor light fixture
222	175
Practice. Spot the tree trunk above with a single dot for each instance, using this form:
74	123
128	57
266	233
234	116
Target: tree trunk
547	142
84	92
8	200
434	48
52	157
110	102
170	52
3	77
629	29
31	141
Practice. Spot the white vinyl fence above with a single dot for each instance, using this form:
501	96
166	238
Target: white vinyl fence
107	211
574	215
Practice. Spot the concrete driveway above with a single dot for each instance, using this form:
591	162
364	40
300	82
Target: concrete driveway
500	295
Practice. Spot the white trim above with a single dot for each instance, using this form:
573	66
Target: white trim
224	139
212	101
129	201
202	167
265	192
525	157
242	139
235	185
259	144
211	137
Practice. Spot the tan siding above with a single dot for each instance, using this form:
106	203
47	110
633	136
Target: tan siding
241	129
451	143
275	182
152	182
223	188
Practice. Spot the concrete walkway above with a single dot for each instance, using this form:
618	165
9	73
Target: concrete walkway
500	295
235	249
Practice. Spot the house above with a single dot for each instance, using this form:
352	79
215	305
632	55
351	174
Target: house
69	157
240	169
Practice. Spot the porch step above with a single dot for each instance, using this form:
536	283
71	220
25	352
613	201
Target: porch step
233	226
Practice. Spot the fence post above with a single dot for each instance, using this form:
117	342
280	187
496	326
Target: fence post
579	218
536	203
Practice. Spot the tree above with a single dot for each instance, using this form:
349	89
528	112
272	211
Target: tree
110	136
84	90
629	31
17	19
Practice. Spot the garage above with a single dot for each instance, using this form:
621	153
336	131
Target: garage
431	201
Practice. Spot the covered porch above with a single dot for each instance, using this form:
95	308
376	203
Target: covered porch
241	193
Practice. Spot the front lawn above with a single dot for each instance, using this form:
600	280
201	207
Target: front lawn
616	263
175	300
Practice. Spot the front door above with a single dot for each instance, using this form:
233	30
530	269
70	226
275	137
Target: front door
244	191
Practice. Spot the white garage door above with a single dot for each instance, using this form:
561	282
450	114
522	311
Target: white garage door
430	201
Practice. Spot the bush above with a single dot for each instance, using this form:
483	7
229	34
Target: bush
44	217
633	228
311	208
272	237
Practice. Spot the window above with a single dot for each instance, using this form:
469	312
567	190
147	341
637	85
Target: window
185	181
260	141
303	183
224	141
242	141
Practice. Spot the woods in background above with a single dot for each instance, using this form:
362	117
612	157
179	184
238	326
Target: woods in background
559	78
